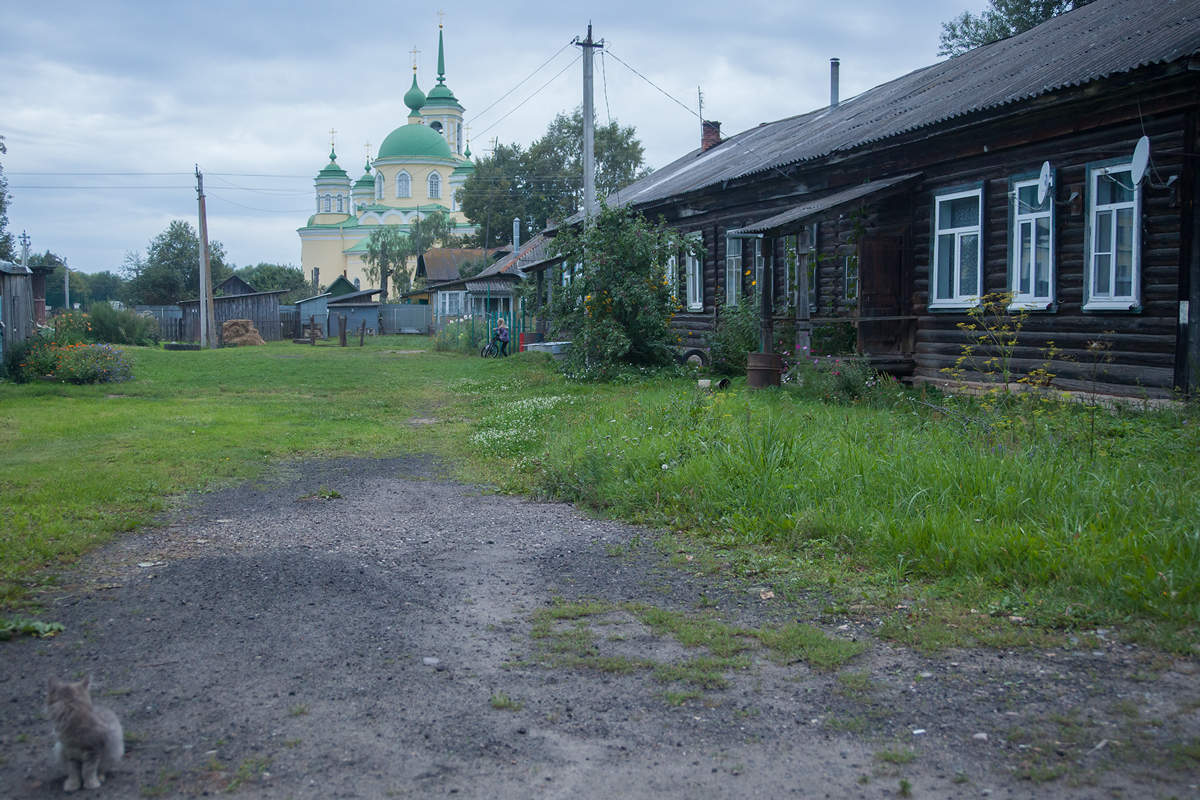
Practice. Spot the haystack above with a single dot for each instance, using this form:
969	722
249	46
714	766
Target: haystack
238	332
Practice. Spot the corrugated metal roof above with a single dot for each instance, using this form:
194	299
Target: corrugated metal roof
811	207
1095	41
443	263
492	285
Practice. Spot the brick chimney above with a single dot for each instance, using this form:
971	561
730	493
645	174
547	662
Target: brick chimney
710	135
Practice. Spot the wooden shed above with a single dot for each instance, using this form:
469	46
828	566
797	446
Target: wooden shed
16	304
261	308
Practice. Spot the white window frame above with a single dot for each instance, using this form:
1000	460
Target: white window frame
759	265
1022	224
958	299
434	183
671	275
733	270
327	204
341	204
695	275
403	187
850	269
378	185
1094	301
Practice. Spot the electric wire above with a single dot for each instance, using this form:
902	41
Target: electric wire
530	97
652	83
604	83
519	84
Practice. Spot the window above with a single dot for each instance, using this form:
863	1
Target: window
695	276
956	277
378	186
450	304
733	270
759	267
671	275
403	184
850	277
1113	280
1031	255
437	126
458	137
326	203
791	263
435	186
341	204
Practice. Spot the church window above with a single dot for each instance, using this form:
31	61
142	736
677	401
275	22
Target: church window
326	204
403	184
378	186
340	205
458	138
435	186
437	126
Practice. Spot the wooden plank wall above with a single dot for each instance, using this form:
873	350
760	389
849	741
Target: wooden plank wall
16	308
262	310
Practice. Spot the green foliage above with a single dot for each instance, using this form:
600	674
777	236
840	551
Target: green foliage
122	326
170	271
544	182
20	626
737	333
834	339
102	286
1003	18
388	250
266	277
91	363
32	358
617	306
462	336
71	327
6	238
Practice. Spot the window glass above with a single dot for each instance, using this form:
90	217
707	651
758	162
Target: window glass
945	267
968	264
961	212
1115	186
1041	262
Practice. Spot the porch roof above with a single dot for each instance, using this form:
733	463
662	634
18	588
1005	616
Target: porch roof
813	207
494	286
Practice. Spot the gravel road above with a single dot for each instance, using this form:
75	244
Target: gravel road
366	629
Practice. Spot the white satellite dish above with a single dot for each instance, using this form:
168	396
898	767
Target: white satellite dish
1045	181
1141	159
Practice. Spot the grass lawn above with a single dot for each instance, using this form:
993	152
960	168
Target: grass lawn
984	525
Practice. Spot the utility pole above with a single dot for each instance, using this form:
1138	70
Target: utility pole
589	132
206	303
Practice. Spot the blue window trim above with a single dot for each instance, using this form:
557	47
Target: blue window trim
1024	177
956	308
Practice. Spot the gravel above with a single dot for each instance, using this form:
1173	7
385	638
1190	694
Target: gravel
362	628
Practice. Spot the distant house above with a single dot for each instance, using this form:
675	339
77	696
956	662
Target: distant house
1013	168
357	308
492	291
233	285
233	298
441	264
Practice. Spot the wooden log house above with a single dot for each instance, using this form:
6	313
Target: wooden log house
896	210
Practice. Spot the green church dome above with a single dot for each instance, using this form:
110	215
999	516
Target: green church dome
414	98
332	170
441	95
414	141
367	179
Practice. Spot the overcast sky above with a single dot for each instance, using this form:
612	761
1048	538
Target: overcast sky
143	91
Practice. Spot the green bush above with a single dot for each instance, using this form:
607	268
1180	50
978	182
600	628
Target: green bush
736	335
122	326
91	363
32	358
462	336
71	327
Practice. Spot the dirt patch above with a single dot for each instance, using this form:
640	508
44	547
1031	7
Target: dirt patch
367	629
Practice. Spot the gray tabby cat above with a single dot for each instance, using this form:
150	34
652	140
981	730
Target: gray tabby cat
88	739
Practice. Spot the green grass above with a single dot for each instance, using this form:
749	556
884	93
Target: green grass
502	702
883	501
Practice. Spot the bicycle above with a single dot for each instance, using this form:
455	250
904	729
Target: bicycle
491	349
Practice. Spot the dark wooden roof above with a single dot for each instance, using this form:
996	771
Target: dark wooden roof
812	207
235	285
443	263
1095	41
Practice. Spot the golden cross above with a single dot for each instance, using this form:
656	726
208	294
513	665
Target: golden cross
415	52
367	147
332	133
441	17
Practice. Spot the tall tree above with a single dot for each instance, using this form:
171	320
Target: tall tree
1003	18
106	285
6	238
80	287
266	277
170	272
545	181
387	255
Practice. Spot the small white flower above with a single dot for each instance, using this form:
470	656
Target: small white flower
664	466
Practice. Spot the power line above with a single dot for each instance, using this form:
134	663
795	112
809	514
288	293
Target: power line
535	94
519	84
253	208
652	83
604	82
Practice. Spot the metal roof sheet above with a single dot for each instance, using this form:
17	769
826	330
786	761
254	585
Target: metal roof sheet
1095	41
811	207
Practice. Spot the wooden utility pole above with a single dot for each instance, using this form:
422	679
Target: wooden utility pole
589	122
207	319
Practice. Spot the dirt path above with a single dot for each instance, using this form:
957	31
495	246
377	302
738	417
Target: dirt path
394	641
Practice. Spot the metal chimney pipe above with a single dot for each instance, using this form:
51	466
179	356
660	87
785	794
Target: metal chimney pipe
834	65
516	234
